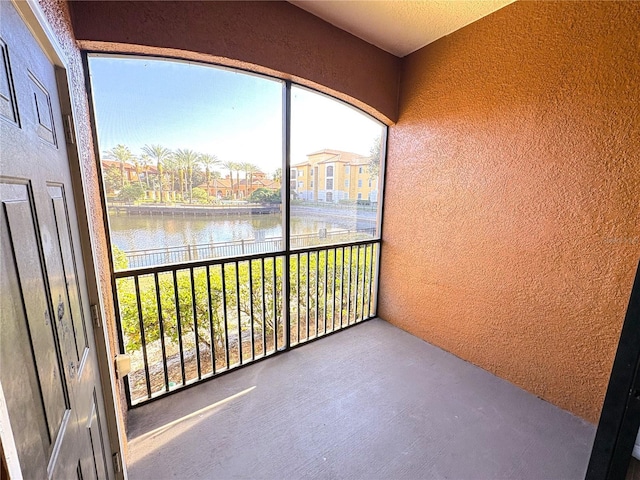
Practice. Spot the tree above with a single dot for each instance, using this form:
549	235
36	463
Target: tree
145	161
120	261
375	158
265	195
277	175
112	178
208	161
199	195
231	167
131	193
187	161
121	154
172	166
249	170
179	166
160	155
136	163
238	168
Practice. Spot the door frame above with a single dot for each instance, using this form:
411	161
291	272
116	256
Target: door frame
620	416
34	17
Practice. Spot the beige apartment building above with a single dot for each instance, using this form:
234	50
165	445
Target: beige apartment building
334	176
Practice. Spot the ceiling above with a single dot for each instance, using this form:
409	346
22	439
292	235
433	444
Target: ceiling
400	27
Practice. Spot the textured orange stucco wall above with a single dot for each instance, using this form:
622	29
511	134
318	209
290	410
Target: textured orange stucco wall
512	215
57	14
276	37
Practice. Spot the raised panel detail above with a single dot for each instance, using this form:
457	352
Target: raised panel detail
32	375
94	428
69	267
8	107
43	111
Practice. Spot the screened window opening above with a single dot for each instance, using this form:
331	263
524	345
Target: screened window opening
226	248
328	138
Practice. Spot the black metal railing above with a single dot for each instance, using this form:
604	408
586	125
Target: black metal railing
188	322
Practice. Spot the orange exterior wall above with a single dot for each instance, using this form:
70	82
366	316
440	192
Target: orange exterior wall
512	214
276	38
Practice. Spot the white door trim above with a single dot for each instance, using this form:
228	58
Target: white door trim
36	20
8	444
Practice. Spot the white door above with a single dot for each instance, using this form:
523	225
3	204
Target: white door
48	364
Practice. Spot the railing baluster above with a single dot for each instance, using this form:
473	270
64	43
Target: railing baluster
334	277
371	267
326	266
238	312
195	322
179	325
253	349
357	289
364	282
226	324
341	284
349	286
298	268
275	306
308	285
375	254
161	332
363	271
366	294
264	311
212	342
361	252
142	336
317	308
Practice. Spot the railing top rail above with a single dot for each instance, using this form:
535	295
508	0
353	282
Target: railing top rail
133	272
333	246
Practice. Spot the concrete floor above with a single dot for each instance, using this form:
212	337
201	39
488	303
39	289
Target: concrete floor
372	402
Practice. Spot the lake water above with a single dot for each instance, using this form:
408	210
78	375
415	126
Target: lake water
139	232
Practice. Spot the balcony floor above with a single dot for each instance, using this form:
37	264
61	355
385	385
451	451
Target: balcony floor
370	402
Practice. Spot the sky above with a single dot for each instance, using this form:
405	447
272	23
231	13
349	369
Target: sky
233	115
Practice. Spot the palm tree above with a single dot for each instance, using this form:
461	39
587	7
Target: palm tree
136	163
188	160
208	161
122	154
229	165
179	166
277	175
145	161
238	168
249	170
160	155
171	165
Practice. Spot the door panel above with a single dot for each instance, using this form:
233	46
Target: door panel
20	382
7	94
48	363
22	242
65	245
44	113
94	430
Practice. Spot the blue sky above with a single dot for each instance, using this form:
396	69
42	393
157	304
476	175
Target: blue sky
235	116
